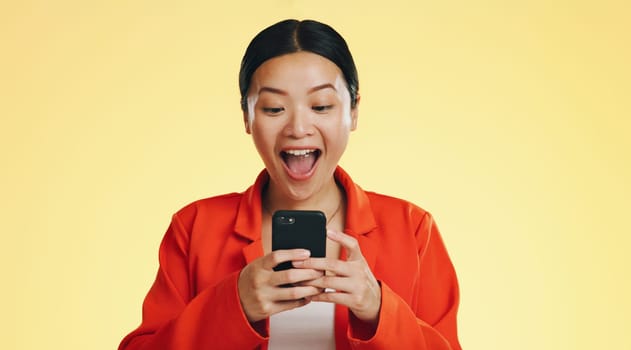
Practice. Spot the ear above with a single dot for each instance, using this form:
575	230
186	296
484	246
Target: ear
355	113
246	122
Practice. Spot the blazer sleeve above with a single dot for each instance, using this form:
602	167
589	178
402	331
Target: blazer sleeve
429	320
175	319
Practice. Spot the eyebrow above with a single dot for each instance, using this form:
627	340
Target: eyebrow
272	90
284	93
320	87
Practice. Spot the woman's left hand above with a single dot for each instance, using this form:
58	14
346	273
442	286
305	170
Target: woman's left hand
354	284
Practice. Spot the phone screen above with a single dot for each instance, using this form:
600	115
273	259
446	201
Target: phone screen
304	229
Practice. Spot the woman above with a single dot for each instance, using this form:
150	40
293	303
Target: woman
386	281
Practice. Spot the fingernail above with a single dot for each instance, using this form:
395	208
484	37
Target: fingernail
331	233
305	253
298	263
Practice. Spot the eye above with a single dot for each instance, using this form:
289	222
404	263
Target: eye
273	110
322	109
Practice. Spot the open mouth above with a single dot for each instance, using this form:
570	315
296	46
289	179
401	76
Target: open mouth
300	162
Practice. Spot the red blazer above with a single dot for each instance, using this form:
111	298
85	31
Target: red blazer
194	303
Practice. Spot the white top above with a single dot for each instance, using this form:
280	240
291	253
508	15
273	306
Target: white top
306	328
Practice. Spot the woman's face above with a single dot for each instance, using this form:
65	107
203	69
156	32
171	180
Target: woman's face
300	118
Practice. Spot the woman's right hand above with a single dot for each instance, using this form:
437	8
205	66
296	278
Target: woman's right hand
260	288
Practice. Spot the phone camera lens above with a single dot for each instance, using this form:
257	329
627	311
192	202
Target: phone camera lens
285	220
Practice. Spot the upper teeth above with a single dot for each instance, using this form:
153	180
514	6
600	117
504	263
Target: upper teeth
299	152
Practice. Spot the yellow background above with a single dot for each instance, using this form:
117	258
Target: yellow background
508	120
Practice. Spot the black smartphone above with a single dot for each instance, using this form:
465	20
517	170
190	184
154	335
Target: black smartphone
304	229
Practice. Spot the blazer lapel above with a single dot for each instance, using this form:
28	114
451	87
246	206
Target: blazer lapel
360	221
248	221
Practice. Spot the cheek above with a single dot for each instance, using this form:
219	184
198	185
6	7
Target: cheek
337	135
263	136
344	120
259	136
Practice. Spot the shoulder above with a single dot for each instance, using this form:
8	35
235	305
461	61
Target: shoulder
217	206
412	225
388	206
400	217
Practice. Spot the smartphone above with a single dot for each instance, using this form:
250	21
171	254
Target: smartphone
304	229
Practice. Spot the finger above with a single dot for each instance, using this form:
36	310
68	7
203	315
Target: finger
339	284
288	305
292	276
334	297
366	311
335	266
349	300
304	284
348	242
279	256
295	293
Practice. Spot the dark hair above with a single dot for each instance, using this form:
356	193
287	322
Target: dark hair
291	36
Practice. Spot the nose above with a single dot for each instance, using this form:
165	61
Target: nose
299	124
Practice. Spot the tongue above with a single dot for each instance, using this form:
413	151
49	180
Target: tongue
300	164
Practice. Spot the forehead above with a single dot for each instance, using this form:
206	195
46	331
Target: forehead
296	72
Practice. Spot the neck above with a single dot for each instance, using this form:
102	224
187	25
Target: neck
328	199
